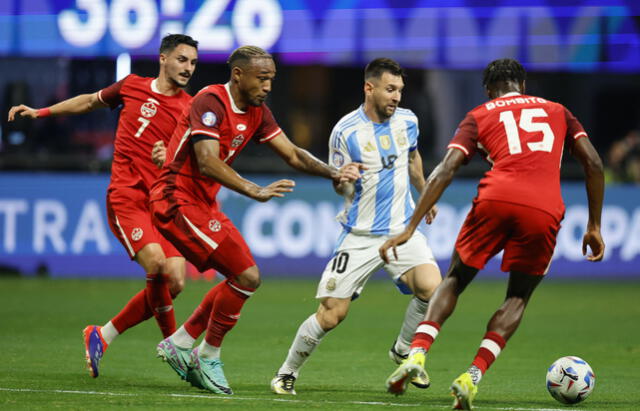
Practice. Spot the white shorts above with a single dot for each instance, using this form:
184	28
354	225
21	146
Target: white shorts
357	258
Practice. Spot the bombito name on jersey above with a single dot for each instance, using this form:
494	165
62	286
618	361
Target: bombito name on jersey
516	100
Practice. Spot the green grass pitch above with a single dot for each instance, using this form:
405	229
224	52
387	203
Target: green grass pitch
42	355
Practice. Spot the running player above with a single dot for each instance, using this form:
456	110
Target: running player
150	107
384	138
218	124
518	209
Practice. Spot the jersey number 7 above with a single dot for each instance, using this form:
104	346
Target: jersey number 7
526	123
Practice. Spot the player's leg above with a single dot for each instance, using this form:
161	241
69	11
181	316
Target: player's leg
330	313
441	306
343	278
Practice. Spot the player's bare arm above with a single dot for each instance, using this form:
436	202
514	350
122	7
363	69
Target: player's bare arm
79	104
437	182
159	153
416	176
584	151
304	161
208	156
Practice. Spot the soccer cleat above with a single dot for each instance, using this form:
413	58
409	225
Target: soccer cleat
412	367
283	384
421	380
178	358
208	374
94	348
464	392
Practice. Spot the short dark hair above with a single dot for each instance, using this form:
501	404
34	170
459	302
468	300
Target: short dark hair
171	41
244	54
382	65
503	70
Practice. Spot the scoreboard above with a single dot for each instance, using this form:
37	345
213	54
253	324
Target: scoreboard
578	35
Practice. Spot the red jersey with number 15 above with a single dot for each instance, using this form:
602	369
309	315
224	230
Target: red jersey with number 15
146	117
523	137
212	114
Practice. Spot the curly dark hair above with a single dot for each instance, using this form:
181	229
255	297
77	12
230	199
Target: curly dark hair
503	70
243	54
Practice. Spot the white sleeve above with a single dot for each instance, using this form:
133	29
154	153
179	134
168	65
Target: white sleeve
338	149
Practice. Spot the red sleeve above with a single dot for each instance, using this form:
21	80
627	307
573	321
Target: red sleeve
574	129
206	115
465	138
111	95
268	128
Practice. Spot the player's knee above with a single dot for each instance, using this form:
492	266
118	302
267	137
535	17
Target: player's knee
155	264
176	285
249	278
329	320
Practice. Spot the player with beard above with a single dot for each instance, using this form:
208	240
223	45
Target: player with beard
150	109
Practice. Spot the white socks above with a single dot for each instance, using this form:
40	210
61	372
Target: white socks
208	352
416	310
307	338
109	333
182	339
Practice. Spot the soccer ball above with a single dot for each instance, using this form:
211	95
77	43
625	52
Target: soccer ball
570	380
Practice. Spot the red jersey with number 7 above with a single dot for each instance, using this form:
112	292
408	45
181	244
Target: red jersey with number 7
523	137
146	117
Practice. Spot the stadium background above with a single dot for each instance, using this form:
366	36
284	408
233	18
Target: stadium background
54	173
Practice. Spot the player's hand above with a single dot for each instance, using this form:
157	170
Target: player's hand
431	215
593	239
23	111
392	243
159	153
276	189
350	172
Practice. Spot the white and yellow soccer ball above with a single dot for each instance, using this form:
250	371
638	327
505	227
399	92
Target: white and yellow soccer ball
570	380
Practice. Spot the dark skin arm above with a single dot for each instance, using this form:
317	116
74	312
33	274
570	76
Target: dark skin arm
437	182
208	157
586	154
302	160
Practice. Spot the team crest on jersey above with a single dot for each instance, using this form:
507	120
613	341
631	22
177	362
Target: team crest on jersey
385	142
338	159
214	225
209	119
237	141
150	108
331	284
402	140
136	234
241	127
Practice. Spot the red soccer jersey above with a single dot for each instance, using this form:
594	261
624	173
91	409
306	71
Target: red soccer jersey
523	137
211	114
146	117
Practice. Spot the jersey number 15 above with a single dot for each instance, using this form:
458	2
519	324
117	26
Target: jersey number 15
526	123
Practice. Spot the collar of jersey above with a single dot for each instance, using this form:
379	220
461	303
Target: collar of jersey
510	94
233	103
364	117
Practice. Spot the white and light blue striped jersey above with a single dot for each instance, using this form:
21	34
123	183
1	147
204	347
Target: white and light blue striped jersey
381	202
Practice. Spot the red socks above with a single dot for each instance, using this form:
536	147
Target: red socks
135	312
491	346
159	300
225	312
197	322
426	332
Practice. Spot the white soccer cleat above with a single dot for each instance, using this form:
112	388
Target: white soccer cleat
282	384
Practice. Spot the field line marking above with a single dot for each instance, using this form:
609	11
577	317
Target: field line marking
234	397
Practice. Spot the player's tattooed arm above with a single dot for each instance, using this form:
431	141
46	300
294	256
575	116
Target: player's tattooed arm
79	104
208	155
302	160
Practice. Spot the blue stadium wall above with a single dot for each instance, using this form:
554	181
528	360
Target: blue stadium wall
58	222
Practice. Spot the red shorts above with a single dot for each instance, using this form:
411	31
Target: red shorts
204	235
527	235
130	221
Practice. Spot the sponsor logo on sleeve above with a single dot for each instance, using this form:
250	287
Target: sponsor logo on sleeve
209	119
338	159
